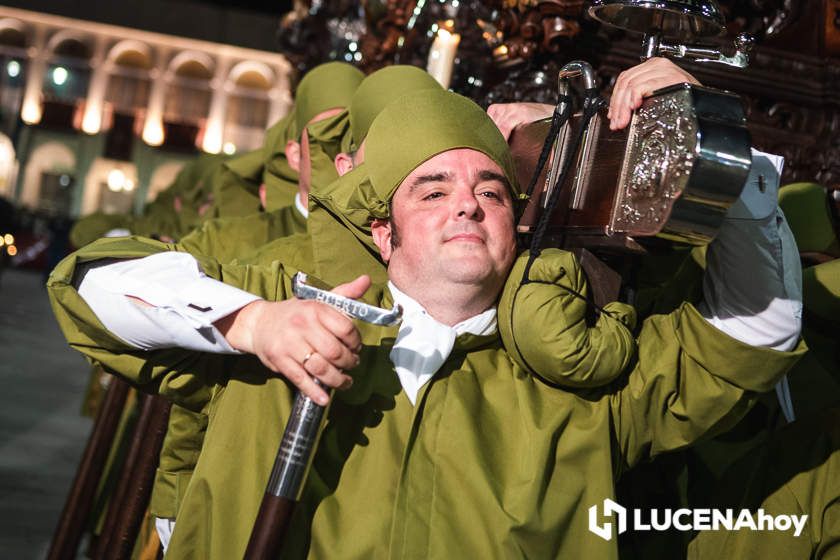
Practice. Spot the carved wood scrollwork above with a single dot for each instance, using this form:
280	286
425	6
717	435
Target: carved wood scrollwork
511	50
763	18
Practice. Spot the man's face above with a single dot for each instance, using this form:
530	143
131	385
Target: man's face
453	217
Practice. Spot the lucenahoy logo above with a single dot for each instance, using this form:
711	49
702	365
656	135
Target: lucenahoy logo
684	519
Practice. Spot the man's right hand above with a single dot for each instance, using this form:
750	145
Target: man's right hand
300	339
508	116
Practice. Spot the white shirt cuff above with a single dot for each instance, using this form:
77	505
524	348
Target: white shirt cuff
301	207
183	302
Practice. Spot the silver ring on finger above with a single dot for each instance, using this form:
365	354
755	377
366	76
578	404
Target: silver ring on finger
306	358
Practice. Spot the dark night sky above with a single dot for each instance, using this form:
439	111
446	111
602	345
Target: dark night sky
245	23
272	8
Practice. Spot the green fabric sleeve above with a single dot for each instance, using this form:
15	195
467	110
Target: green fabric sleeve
543	324
293	251
189	379
226	239
181	448
162	222
180	375
151	370
806	209
821	288
797	472
689	379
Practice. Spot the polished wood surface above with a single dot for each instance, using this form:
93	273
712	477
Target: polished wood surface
74	518
270	528
131	497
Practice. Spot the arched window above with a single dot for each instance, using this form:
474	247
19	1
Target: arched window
49	178
248	105
68	71
188	91
129	82
12	36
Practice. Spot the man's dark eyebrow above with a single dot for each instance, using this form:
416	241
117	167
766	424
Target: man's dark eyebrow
487	175
431	178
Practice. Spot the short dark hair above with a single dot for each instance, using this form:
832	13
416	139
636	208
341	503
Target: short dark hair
395	235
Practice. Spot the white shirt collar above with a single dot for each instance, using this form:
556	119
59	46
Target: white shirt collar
301	207
423	344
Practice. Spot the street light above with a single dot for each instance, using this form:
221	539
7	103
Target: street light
60	75
116	180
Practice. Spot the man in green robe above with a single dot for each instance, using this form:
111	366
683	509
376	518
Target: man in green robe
439	446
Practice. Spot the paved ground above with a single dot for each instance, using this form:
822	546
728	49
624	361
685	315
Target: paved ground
41	431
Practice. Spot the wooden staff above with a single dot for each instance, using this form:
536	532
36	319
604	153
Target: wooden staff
130	499
77	508
300	438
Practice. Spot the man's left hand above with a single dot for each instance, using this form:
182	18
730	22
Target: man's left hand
630	88
643	79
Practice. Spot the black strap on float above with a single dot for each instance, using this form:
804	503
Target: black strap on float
591	105
558	119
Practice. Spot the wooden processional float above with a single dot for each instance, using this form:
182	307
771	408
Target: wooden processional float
670	176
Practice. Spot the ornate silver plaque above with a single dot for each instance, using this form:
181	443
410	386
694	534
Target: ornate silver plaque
661	149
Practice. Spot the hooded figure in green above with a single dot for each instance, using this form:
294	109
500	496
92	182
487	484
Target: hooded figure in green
325	88
487	461
160	217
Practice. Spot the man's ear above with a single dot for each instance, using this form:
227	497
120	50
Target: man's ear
343	164
292	152
381	231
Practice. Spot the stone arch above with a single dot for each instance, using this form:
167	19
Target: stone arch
189	93
131	53
248	105
192	64
13	33
68	67
68	42
97	177
129	85
8	166
255	75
